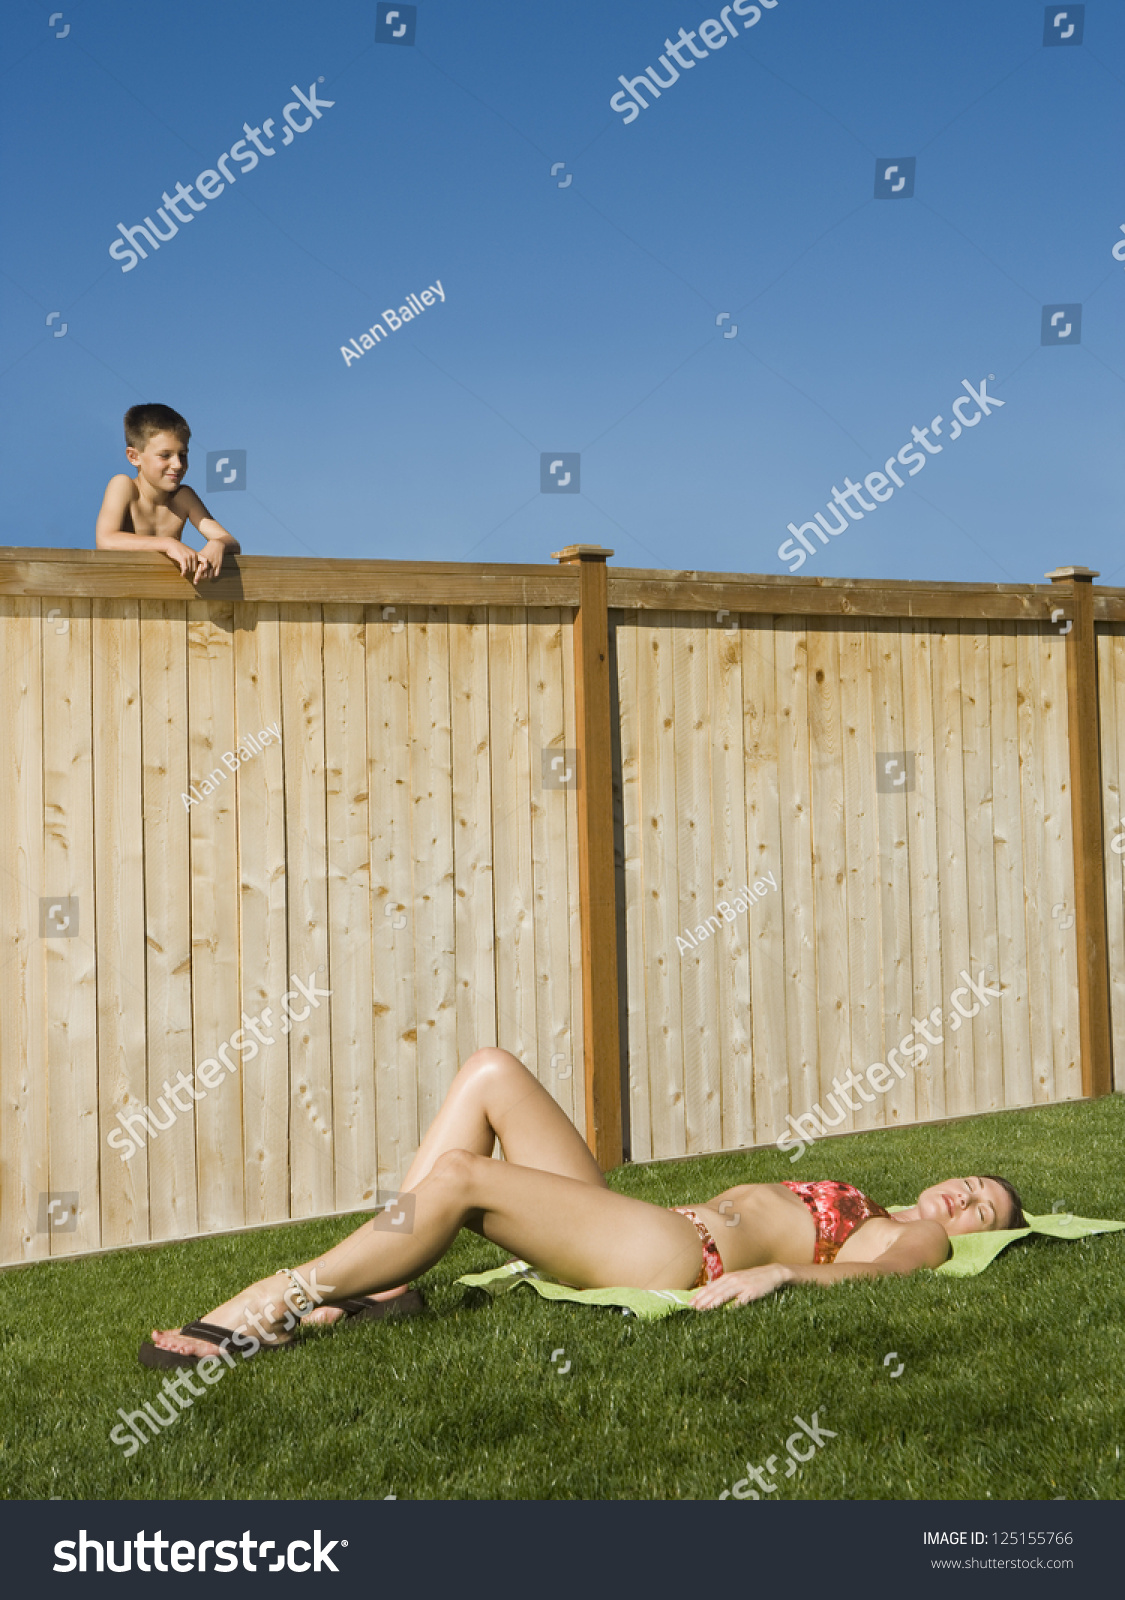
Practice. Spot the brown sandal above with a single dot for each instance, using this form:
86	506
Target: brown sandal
152	1355
403	1305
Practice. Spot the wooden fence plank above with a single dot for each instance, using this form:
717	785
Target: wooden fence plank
698	966
68	870
660	854
1015	1006
214	916
1057	885
119	888
829	871
554	1050
394	1008
354	1141
861	838
924	1060
1041	950
24	1170
511	790
976	716
432	918
263	930
802	1049
472	830
886	644
730	874
311	1115
761	721
169	1158
949	800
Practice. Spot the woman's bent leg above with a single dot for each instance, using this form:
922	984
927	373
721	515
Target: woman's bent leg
492	1097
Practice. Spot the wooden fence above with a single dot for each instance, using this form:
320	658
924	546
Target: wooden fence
400	786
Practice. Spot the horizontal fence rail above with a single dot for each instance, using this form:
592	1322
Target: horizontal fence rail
278	854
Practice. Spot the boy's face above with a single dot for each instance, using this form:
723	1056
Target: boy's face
162	462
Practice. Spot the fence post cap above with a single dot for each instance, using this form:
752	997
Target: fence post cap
581	552
1079	574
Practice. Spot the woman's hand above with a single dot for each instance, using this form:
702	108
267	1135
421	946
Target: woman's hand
753	1284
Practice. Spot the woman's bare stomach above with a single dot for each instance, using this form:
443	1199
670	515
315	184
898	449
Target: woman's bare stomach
756	1223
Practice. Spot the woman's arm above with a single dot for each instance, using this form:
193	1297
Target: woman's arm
923	1244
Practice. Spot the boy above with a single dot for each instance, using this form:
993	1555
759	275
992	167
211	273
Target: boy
148	512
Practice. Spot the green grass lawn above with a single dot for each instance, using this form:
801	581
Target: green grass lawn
1011	1388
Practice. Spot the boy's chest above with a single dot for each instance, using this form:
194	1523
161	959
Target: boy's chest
161	522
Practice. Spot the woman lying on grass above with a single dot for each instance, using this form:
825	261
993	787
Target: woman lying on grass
548	1203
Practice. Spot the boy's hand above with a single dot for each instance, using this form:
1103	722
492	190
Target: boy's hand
184	557
210	560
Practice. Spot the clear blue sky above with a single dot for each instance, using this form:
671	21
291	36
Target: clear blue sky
580	318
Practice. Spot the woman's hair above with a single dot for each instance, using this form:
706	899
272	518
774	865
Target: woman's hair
1017	1219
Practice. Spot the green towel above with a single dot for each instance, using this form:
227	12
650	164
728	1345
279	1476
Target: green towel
972	1252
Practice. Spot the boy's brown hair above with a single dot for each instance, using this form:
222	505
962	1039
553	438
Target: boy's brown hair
141	422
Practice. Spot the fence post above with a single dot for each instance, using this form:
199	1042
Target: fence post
597	881
1076	598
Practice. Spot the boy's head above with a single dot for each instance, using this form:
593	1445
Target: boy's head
156	443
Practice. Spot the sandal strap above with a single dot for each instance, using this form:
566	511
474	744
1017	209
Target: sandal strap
210	1331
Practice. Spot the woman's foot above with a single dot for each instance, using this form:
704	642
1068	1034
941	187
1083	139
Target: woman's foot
246	1313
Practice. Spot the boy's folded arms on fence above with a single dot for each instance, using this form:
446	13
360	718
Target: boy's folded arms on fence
148	512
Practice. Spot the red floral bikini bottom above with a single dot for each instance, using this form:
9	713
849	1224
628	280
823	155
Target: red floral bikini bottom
712	1267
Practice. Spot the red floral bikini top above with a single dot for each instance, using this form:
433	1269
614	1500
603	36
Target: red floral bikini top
838	1209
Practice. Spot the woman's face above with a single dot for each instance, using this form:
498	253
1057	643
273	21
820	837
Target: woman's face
966	1205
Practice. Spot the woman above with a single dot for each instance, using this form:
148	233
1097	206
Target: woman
548	1203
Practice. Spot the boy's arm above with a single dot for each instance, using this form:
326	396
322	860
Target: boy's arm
109	534
218	541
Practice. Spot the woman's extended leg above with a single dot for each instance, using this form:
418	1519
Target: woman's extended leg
493	1097
580	1233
